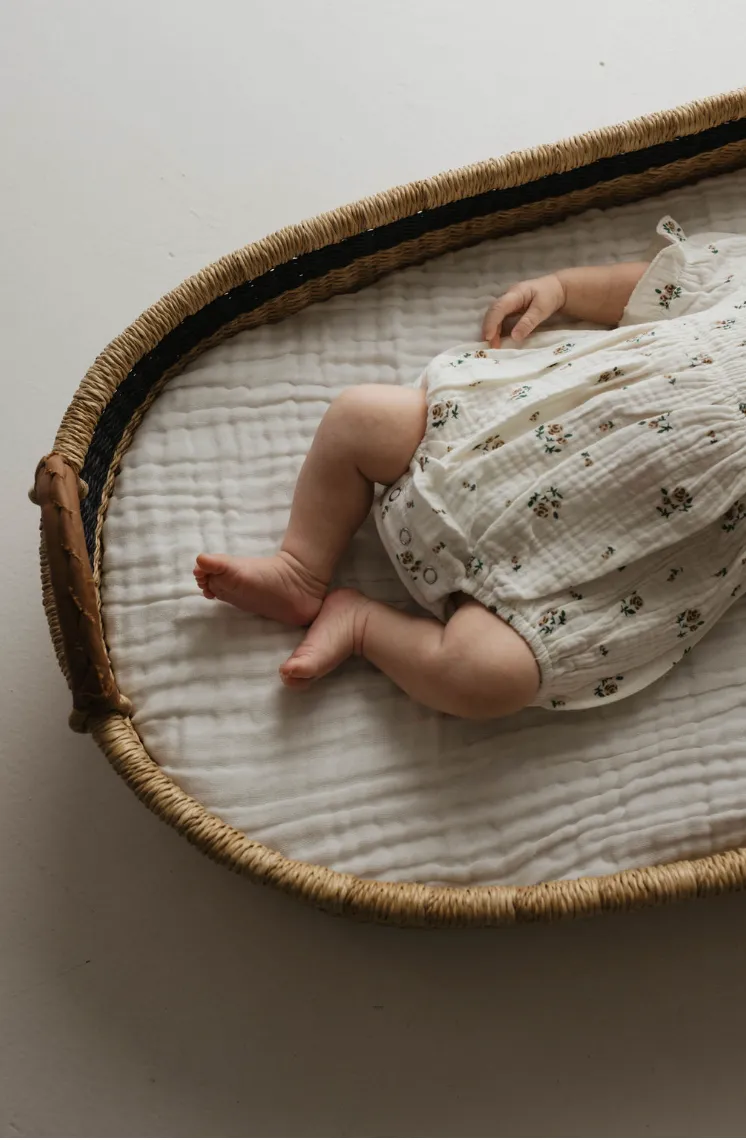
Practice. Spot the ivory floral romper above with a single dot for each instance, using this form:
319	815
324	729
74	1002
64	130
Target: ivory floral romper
590	488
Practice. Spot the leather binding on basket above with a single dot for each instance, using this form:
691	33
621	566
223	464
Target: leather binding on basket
270	280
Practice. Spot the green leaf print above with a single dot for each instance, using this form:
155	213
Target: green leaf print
607	686
678	500
474	566
443	411
734	515
551	621
673	229
491	443
659	424
688	621
668	294
610	374
546	504
631	605
553	436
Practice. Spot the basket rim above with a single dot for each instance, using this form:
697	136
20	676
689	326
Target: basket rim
265	255
341	893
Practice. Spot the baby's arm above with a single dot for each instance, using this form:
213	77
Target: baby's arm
599	293
595	293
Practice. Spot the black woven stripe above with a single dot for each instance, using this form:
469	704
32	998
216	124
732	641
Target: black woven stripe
252	294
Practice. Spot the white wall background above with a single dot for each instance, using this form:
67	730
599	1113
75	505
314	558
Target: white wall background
143	991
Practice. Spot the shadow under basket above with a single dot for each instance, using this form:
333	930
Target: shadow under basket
269	281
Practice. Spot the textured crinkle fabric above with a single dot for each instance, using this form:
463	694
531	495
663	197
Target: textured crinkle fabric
590	488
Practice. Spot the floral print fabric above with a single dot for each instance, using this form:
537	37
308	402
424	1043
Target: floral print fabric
590	487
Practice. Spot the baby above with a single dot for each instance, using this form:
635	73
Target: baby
570	511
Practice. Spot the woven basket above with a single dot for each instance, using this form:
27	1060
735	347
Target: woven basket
270	280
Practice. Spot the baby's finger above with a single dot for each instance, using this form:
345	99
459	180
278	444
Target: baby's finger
534	315
510	302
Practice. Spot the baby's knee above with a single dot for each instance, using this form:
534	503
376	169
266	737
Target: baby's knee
379	426
371	404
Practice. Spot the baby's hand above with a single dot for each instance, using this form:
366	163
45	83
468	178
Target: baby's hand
536	299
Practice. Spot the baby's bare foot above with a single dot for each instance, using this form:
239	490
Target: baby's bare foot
279	588
336	634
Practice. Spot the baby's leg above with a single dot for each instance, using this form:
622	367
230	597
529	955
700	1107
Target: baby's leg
368	436
476	666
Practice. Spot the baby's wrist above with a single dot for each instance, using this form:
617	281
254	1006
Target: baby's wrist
561	278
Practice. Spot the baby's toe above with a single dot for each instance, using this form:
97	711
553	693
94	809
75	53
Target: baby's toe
298	670
212	563
203	582
294	678
295	682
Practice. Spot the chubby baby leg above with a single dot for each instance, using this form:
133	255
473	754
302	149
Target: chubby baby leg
367	436
476	666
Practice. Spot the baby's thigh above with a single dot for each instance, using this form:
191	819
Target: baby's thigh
491	663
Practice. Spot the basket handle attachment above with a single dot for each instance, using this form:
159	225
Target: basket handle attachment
58	491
